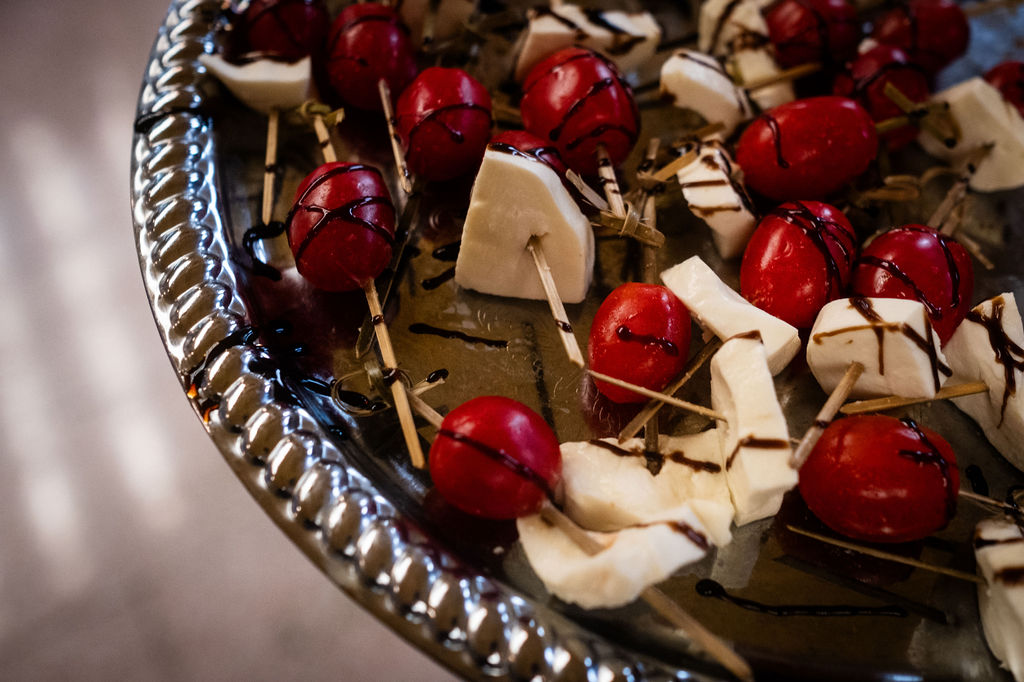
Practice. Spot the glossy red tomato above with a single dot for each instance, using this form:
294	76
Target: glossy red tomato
932	32
917	262
495	457
881	479
1008	78
528	143
444	120
866	82
640	334
577	99
368	43
807	149
288	29
805	31
342	226
797	260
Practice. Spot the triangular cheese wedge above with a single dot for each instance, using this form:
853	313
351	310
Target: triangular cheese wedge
264	84
515	197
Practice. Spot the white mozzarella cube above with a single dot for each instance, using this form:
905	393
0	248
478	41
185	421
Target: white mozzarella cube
891	337
264	84
750	65
724	23
987	346
999	552
719	309
713	194
450	17
610	485
629	39
984	117
515	198
634	558
696	81
755	437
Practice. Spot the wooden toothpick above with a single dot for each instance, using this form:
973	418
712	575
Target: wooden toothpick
404	177
657	600
270	166
572	346
827	413
610	183
888	556
380	328
662	397
651	409
894	401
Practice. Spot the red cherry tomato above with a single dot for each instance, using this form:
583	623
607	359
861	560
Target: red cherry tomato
807	149
444	120
797	260
1008	78
577	99
917	262
804	31
288	29
495	457
640	334
368	43
531	145
870	73
342	226
932	32
881	479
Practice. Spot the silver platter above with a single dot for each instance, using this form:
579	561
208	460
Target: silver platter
338	485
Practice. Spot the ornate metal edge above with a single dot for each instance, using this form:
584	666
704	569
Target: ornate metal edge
466	621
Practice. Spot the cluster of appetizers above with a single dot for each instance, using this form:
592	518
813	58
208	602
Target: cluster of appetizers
901	305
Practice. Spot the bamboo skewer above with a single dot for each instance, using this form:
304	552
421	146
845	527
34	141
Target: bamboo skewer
651	409
662	397
649	269
892	402
668	171
572	346
610	183
957	192
888	556
404	177
387	352
657	600
665	607
933	119
825	416
270	165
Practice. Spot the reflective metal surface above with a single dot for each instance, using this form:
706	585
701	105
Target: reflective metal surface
128	551
338	486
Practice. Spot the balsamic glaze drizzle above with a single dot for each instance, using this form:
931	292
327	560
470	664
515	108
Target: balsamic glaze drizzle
655	461
423	328
755	442
710	588
1008	354
257	233
773	126
929	454
879	326
501	457
626	334
434	116
345	213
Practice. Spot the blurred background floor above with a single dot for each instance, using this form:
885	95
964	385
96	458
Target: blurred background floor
128	549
